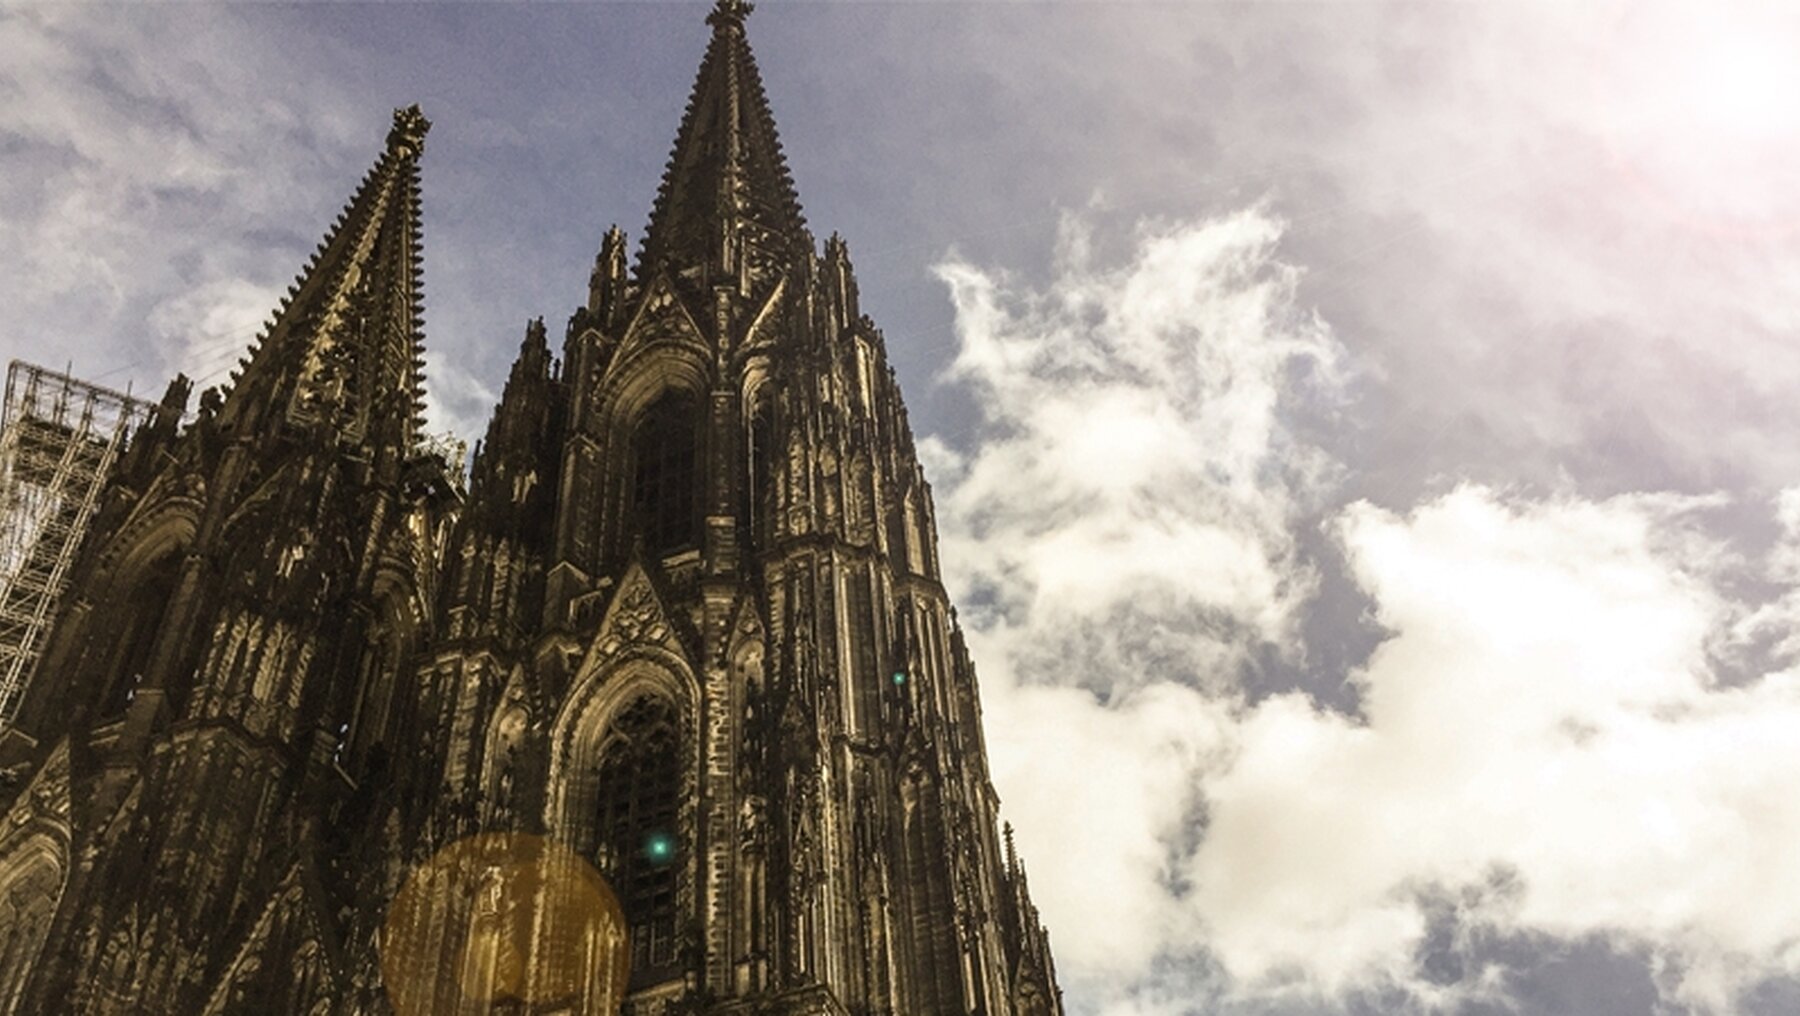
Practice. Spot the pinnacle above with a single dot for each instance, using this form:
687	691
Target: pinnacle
730	14
408	134
611	244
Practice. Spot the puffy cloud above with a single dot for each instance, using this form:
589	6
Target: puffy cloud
1543	734
1106	793
1547	747
1120	539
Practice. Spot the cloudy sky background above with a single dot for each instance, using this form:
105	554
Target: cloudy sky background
1364	434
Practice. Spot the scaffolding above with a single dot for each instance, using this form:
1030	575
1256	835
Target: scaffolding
59	437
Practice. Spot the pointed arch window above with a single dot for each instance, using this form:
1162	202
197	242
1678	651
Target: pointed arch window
639	845
763	468
865	677
378	670
142	612
31	884
665	475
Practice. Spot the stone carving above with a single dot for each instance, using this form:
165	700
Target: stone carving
752	817
636	618
772	864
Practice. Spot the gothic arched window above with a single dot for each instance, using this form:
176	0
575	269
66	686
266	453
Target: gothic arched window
635	817
134	630
665	475
504	744
762	476
378	669
865	676
29	891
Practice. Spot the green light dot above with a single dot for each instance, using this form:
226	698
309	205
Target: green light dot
659	847
899	677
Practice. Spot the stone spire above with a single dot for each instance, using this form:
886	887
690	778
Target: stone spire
343	352
727	194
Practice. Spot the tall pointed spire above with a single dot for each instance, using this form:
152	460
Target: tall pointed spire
727	185
343	352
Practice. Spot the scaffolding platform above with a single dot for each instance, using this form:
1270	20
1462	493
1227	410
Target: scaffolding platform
59	438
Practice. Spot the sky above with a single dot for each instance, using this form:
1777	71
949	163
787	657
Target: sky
1363	434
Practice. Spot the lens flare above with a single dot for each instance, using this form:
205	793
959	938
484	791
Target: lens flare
659	848
504	919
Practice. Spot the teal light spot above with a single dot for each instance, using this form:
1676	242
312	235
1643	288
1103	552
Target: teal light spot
899	677
659	848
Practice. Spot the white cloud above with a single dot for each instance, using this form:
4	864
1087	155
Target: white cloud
1101	793
1774	625
158	175
456	401
1545	714
1134	463
1122	530
1545	747
205	331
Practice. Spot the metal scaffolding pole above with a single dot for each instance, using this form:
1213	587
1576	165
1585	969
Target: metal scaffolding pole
59	437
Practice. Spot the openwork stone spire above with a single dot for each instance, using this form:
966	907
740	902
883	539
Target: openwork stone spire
731	12
726	195
343	352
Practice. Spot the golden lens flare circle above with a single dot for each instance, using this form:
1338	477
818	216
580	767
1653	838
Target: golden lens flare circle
505	918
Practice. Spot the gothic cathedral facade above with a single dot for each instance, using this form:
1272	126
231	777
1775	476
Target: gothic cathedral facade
684	620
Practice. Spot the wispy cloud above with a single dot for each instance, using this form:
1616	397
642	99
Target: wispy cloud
1119	537
1134	473
456	401
143	171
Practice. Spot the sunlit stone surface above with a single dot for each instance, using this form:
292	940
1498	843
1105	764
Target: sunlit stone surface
667	702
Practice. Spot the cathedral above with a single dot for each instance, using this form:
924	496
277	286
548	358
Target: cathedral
662	709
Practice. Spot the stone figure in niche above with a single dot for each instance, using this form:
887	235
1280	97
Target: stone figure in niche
752	820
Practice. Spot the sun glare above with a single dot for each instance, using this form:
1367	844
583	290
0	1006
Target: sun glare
1742	86
1701	104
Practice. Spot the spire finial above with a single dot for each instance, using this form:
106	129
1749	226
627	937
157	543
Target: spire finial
730	13
726	174
408	134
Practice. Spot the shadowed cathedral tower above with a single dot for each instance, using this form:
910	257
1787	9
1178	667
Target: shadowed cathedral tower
695	617
233	643
687	621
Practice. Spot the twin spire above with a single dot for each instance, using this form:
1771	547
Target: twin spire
343	351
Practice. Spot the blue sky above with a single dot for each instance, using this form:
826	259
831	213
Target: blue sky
1362	432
